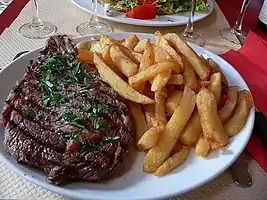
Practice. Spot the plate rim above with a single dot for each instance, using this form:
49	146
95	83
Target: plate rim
142	22
66	191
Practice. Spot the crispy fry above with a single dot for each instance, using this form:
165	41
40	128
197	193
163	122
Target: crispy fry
119	85
108	60
203	83
177	147
141	45
172	102
211	125
138	56
189	74
215	68
160	54
202	146
216	85
122	62
192	130
229	106
86	56
163	43
149	139
139	120
147	58
131	41
158	154
161	80
160	108
173	162
151	72
202	70
176	79
240	115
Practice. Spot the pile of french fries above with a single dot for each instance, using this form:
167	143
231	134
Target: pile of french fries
178	99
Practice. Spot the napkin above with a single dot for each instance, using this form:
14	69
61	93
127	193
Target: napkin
251	62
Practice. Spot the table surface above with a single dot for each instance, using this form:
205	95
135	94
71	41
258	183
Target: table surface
66	16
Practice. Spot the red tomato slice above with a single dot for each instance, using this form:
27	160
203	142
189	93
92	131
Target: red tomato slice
145	11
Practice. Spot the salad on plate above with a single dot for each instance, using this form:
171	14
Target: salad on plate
150	9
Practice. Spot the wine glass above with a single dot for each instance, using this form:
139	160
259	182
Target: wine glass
93	26
188	34
37	29
230	34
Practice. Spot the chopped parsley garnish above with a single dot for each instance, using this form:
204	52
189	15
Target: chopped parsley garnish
16	89
27	111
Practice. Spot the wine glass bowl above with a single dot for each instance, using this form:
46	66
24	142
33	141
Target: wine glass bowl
37	29
93	26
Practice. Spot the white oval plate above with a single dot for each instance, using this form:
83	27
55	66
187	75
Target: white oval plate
135	184
164	20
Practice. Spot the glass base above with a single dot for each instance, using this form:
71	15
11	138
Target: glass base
38	32
93	27
233	35
193	38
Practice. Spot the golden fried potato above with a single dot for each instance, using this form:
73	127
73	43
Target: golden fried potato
131	41
240	115
189	75
173	162
160	54
149	139
159	153
160	108
176	79
215	68
147	58
211	125
177	147
202	146
138	56
119	85
201	68
151	72
192	130
229	106
141	45
203	83
172	102
216	85
139	120
86	56
127	52
108	60
161	80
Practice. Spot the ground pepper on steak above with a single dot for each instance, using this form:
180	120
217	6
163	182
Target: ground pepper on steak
62	119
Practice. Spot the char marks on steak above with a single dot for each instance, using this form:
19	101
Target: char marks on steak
82	135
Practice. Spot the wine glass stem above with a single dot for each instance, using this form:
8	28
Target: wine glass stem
189	29
92	16
238	23
36	22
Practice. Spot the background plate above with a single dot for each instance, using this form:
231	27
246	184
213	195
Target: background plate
135	184
165	20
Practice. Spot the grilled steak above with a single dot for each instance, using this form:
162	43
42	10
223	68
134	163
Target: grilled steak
62	119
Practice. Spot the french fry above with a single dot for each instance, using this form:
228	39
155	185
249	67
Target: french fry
161	80
176	79
160	54
202	70
122	62
139	120
229	106
160	108
192	130
119	85
173	162
141	45
86	56
159	153
163	43
147	58
149	138
177	147
149	111
138	56
203	83
131	41
202	146
172	102
211	125
216	85
189	75
215	68
151	72
108	60
240	115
